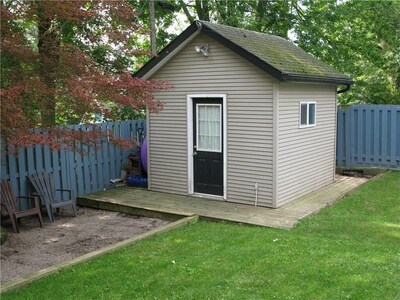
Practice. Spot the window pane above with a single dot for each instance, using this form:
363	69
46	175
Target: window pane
303	114
311	114
209	128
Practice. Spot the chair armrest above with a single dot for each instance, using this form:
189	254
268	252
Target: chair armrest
36	194
64	190
27	197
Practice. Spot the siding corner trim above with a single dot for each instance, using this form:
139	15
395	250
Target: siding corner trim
275	102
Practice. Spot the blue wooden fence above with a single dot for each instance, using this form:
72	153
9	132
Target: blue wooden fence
83	174
368	136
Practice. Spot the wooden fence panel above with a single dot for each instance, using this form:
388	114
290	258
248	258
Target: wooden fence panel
368	136
82	173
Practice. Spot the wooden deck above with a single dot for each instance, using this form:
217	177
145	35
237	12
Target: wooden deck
164	205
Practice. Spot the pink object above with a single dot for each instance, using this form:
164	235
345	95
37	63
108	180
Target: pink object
143	154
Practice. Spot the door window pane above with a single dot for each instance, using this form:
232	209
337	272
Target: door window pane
209	127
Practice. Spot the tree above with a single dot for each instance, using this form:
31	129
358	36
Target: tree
68	60
165	12
274	17
360	38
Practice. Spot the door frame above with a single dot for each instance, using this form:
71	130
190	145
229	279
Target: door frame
190	171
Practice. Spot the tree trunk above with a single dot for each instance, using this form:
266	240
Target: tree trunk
260	13
48	46
186	11
153	40
202	10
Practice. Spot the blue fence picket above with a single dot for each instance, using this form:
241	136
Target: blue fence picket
4	164
384	141
368	135
72	183
39	157
63	169
22	171
368	127
339	129
93	168
31	161
396	134
14	172
111	149
56	169
47	159
348	138
376	147
394	137
87	180
79	166
118	155
106	159
100	166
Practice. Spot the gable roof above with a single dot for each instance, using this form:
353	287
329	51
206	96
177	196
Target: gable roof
275	55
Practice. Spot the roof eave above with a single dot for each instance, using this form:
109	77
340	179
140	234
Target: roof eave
315	78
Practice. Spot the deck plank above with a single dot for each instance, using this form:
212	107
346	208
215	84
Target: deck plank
140	201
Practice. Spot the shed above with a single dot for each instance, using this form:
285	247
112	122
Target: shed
251	119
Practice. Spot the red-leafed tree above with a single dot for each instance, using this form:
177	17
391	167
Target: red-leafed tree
66	61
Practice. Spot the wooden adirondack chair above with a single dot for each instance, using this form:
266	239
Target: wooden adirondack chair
8	204
44	186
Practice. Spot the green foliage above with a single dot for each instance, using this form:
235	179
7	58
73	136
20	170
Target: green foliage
68	62
127	113
360	38
347	251
274	17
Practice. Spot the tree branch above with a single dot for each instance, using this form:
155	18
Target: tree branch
186	11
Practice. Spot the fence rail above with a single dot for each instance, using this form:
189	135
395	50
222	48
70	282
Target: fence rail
83	174
368	136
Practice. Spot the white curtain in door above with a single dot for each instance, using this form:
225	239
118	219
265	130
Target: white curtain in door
209	127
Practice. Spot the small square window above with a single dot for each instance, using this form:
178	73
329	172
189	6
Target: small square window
307	114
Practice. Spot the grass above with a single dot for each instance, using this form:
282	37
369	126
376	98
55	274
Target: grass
348	251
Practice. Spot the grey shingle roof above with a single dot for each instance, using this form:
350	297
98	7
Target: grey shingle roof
278	52
275	55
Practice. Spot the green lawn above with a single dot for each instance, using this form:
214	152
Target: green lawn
348	251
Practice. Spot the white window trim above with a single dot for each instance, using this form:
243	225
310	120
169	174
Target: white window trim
308	110
189	118
220	127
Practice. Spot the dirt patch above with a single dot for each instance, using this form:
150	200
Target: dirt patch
36	248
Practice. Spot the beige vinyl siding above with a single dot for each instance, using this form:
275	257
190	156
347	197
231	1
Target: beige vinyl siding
249	121
306	156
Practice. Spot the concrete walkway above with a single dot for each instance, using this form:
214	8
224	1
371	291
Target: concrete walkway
171	206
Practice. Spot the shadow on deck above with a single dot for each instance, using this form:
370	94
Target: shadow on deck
170	206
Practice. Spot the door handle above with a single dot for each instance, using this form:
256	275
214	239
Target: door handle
194	153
